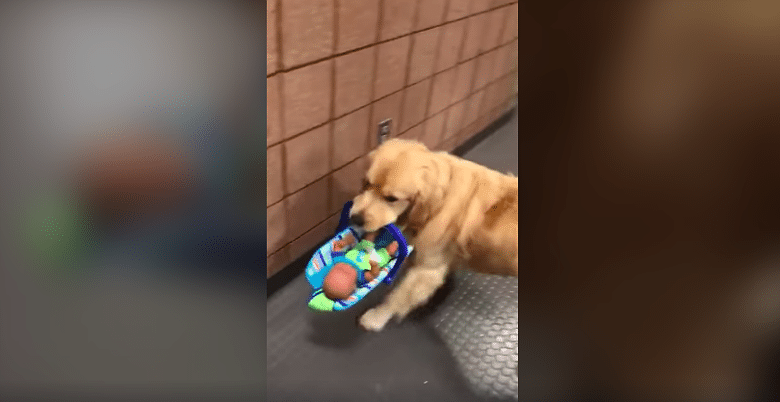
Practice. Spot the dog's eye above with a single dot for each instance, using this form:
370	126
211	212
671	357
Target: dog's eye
366	184
390	198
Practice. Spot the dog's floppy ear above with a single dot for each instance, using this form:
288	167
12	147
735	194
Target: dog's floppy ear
429	196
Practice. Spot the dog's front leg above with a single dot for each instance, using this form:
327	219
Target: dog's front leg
414	290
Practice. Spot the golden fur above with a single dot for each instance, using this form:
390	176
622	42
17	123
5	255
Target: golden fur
452	210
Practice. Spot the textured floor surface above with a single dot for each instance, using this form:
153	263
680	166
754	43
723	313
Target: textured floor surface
462	347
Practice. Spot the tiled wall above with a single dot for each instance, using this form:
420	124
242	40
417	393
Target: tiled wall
441	69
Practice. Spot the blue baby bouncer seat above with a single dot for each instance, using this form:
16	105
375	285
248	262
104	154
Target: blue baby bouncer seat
322	261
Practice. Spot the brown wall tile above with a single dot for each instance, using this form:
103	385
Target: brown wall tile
423	54
484	69
433	130
503	90
391	69
386	108
478	6
430	13
271	49
307	157
273	110
513	81
510	28
450	45
492	35
471	113
357	24
441	93
468	130
482	122
506	84
454	120
415	102
489	99
350	136
457	9
276	261
463	79
306	208
353	80
307	97
449	144
415	133
276	223
475	27
494	114
274	190
502	63
346	183
397	18
500	92
313	237
307	30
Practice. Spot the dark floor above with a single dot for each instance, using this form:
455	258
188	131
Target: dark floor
462	347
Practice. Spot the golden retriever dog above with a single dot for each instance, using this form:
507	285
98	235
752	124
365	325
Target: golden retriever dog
451	210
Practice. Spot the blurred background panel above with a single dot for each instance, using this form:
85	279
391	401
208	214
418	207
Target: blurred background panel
650	185
131	226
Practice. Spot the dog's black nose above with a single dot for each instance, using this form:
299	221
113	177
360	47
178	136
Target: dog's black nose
356	220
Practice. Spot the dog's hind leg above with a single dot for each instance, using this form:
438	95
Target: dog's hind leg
414	290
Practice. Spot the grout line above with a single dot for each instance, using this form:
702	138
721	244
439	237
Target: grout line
380	15
462	46
456	64
407	73
503	25
473	82
279	41
281	113
336	5
357	49
301	133
332	59
412	40
332	129
436	55
372	90
413	127
461	49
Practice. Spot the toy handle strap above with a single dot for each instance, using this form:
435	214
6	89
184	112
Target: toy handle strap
403	250
344	220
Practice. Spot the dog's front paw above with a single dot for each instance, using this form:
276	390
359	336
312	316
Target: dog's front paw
375	319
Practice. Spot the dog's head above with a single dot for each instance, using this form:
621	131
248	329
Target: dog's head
401	186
